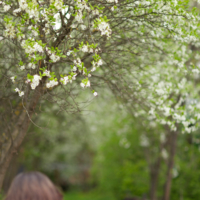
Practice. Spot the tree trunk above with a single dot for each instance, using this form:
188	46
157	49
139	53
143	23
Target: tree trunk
172	151
18	134
3	169
154	174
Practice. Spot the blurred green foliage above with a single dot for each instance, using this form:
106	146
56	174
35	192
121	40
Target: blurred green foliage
187	182
121	170
99	155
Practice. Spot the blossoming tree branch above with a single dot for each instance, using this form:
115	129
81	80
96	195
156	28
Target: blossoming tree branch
35	31
138	47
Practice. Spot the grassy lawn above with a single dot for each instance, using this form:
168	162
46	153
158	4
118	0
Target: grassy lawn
87	196
76	195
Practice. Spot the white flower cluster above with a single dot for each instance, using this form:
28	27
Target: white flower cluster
57	3
21	93
77	62
23	4
79	17
104	27
78	65
37	47
31	66
87	84
22	67
68	79
51	84
69	53
52	55
64	80
82	5
18	10
31	49
171	113
95	65
6	7
95	94
86	48
34	32
35	81
47	73
32	11
95	12
12	79
9	31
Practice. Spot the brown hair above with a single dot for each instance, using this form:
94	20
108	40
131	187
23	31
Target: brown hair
33	186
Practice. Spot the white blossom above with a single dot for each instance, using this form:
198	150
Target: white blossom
6	7
85	48
51	84
18	10
31	66
95	94
9	31
47	73
64	80
69	53
22	67
54	57
95	12
35	82
104	27
17	90
79	17
83	27
21	93
82	85
100	62
12	79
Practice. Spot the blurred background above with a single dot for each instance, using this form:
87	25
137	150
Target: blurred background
106	153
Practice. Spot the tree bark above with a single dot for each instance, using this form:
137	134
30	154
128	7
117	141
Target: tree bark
172	151
18	134
154	174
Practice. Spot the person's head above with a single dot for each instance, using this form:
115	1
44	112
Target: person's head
33	186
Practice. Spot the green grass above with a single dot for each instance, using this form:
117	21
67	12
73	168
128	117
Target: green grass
1	196
87	196
77	195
